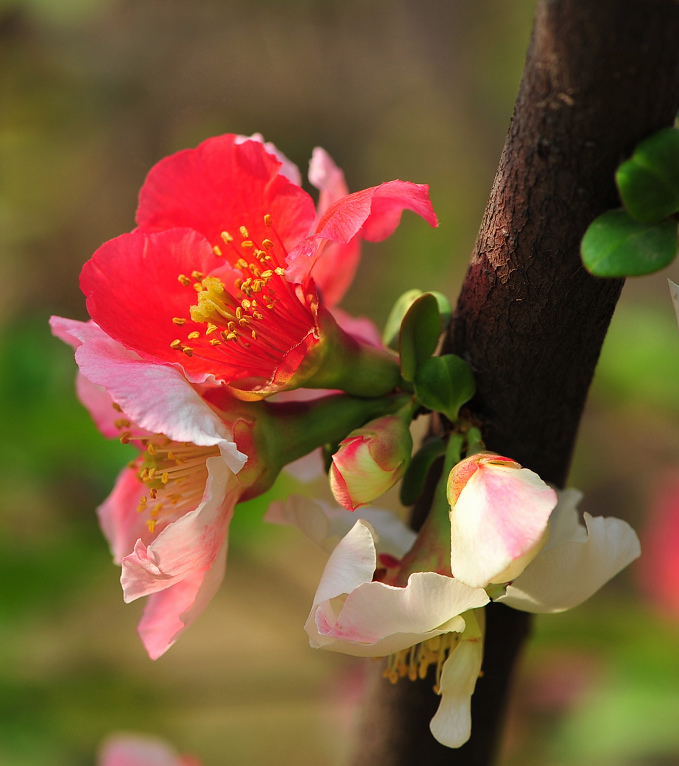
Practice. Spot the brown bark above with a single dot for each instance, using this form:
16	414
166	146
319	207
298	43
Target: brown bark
600	76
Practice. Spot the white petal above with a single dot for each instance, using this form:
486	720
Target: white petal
326	524
452	724
568	574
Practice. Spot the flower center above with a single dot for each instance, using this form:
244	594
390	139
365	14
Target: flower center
174	473
257	322
415	661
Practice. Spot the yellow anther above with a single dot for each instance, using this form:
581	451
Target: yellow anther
121	423
142	503
153	494
184	280
239	312
247	243
150	473
224	335
231	326
267	220
232	336
179	321
241	263
226	237
280	271
254	334
193	335
116	406
151	524
267	274
198	275
255	270
176	343
245	303
187	350
215	342
165	477
151	449
244	231
243	322
217	251
210	328
267	244
238	284
198	287
257	315
125	437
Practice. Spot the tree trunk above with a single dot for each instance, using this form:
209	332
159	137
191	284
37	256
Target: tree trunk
600	75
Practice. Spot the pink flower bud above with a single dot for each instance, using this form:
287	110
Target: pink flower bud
370	461
499	514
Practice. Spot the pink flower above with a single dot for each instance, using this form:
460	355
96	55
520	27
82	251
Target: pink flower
498	517
221	275
370	461
140	750
168	516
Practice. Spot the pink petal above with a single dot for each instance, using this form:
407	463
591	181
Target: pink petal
187	547
120	522
156	398
170	612
137	750
499	519
372	213
288	168
327	178
223	185
361	328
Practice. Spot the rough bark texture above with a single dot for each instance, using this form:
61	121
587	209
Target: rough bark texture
599	77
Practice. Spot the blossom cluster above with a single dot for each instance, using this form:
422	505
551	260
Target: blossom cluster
226	295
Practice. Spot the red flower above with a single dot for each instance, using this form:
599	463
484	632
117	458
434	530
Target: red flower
218	276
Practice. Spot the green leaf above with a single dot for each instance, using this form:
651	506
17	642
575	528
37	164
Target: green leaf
615	245
416	473
444	384
395	318
649	181
420	331
445	309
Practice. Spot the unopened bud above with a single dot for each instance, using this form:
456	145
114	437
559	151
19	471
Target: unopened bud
370	461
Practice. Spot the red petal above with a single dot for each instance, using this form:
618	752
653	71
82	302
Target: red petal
221	186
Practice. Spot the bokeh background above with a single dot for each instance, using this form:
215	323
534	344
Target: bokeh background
92	93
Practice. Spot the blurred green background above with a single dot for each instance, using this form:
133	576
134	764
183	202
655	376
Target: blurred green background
92	93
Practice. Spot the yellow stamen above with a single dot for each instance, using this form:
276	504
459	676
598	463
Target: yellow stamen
267	220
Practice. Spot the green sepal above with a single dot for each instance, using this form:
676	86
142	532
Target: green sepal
649	181
395	318
615	245
416	474
444	384
419	336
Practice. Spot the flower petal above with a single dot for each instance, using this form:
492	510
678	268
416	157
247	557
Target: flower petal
327	178
564	576
221	185
498	519
158	398
325	525
170	612
287	169
188	546
373	619
119	519
137	750
452	724
372	213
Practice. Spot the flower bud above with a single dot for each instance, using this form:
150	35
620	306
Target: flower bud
370	461
499	515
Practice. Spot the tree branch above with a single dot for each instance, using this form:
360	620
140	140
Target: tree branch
599	77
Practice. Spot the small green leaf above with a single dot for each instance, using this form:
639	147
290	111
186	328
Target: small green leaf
445	309
444	384
395	318
416	473
615	245
420	331
649	181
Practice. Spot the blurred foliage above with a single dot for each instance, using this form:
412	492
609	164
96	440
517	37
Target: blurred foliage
93	92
